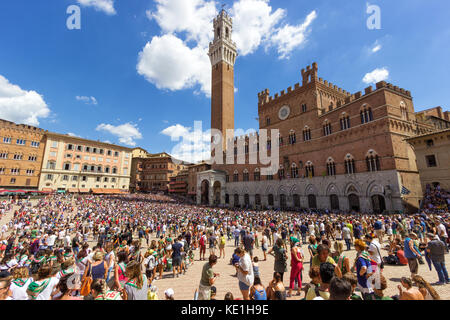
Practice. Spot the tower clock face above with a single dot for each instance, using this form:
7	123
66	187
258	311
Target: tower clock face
284	112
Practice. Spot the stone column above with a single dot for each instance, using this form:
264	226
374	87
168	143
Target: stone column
211	196
199	194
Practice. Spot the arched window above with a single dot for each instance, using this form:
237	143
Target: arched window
227	177
257	175
281	173
349	164
331	167
245	175
372	161
306	134
309	169
366	114
236	176
344	121
280	140
107	169
294	171
330	107
326	128
292	137
114	170
304	108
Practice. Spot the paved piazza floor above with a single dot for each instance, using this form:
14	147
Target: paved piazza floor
185	285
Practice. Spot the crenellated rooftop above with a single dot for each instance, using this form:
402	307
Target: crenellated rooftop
309	75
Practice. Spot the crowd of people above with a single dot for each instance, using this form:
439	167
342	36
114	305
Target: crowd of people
85	247
436	199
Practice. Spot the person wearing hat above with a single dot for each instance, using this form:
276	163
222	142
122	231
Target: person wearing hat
169	293
67	285
412	253
213	293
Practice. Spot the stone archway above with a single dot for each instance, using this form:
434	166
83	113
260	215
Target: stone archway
334	202
205	192
353	202
312	201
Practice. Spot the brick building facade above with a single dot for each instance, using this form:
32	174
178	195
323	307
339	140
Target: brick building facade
337	150
153	172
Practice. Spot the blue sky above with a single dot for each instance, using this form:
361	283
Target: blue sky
137	73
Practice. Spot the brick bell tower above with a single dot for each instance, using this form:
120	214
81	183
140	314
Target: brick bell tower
222	53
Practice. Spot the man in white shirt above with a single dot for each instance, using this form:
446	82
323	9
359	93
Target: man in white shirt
442	232
51	241
67	241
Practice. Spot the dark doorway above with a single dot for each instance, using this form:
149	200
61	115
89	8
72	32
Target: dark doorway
283	201
353	202
205	192
312	202
270	200
296	201
334	201
236	200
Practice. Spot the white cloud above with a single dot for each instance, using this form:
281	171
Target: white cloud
21	106
191	16
178	58
87	100
73	135
126	133
287	38
376	47
376	75
253	23
169	63
195	143
107	6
